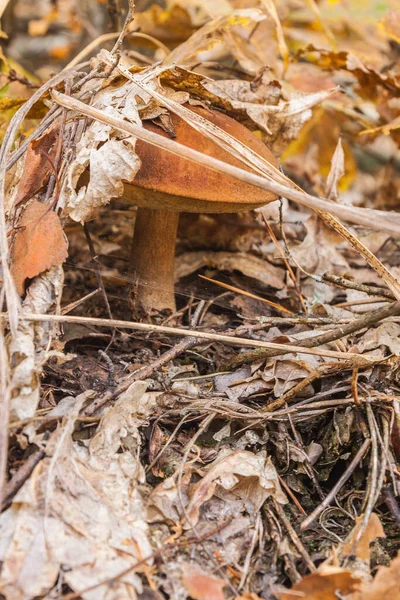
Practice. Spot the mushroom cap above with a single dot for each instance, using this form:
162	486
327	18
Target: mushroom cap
170	182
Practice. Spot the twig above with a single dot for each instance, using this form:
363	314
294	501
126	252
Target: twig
336	488
96	269
286	262
360	287
294	537
237	290
338	332
128	19
373	478
307	463
5	398
392	504
291	495
200	335
19	478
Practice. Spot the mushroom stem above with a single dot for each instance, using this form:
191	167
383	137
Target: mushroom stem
152	260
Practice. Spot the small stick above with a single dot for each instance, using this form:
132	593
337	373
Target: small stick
294	537
342	282
17	481
279	349
286	262
96	269
291	495
307	463
336	488
392	504
325	370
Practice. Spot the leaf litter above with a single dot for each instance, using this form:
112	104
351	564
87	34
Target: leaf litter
196	470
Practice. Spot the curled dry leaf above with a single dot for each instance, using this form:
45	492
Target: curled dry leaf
200	585
369	80
109	164
39	244
336	173
280	119
220	29
250	477
39	162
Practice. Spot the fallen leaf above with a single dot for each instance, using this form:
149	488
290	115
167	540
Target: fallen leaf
39	244
385	586
202	586
250	477
369	80
391	24
323	585
373	531
281	120
220	29
38	167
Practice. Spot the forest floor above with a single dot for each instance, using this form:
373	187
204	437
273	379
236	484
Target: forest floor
143	461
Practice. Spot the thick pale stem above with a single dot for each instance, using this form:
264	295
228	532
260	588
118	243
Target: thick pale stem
152	260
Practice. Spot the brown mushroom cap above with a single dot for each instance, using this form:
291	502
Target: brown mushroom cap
178	184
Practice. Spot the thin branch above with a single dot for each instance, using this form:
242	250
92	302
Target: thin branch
200	335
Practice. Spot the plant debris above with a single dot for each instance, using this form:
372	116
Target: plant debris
246	444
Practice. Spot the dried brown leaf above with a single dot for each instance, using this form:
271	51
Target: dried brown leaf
386	584
38	167
336	173
202	586
39	244
373	531
323	585
248	476
369	80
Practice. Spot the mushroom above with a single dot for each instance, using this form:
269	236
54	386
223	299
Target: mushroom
166	185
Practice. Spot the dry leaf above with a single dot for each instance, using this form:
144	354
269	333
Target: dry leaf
385	586
336	173
38	164
39	244
250	477
212	34
323	585
202	586
369	80
391	24
373	531
280	119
